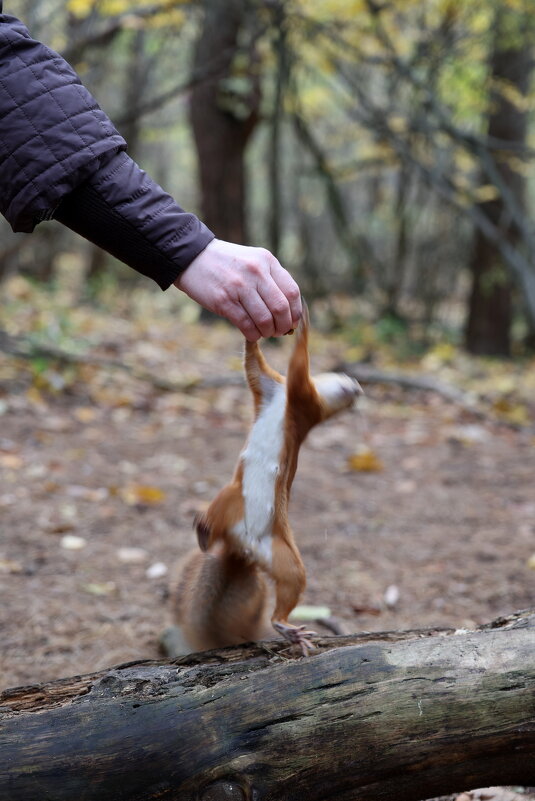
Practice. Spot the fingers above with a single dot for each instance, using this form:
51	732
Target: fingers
238	316
258	310
269	295
245	285
289	289
279	294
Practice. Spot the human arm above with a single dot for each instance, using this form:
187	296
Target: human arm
61	157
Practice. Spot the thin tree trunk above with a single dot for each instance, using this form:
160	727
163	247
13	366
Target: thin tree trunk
223	118
490	312
400	716
275	150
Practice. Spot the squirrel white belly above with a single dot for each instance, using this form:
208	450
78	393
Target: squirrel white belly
221	595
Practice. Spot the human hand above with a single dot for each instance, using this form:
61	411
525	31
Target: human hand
245	285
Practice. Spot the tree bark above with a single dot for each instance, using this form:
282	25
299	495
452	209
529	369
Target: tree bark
224	111
400	715
490	309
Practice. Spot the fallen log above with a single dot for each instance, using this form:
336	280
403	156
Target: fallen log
402	716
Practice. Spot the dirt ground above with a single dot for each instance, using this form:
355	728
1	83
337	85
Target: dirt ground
439	532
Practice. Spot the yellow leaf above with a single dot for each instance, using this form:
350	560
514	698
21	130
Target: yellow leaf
365	461
85	414
531	562
35	397
141	494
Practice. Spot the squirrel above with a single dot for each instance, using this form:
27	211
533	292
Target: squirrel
221	596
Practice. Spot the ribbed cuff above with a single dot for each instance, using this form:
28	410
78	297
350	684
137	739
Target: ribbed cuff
124	212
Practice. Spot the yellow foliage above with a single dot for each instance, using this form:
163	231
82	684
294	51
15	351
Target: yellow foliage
316	99
482	194
524	168
110	8
328	10
442	353
80	8
397	123
513	95
174	18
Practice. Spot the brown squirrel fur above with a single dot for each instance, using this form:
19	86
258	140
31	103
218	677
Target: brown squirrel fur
221	595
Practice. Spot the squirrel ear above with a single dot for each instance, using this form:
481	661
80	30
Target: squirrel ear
203	532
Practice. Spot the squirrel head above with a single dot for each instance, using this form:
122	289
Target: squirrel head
337	391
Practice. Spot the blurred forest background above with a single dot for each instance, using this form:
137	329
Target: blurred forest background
382	150
385	152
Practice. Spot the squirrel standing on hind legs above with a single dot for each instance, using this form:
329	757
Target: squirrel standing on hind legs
221	594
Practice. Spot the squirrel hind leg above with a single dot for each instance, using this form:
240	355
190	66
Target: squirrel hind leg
288	573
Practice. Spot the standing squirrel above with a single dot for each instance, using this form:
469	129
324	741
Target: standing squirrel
221	596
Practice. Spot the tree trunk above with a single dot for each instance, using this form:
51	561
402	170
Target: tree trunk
400	716
224	111
490	309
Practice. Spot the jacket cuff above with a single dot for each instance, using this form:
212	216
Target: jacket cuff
123	211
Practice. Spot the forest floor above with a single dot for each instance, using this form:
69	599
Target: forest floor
409	511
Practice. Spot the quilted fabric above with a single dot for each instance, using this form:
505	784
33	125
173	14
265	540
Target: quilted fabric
53	135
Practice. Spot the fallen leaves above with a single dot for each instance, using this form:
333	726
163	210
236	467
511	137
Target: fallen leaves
365	460
141	495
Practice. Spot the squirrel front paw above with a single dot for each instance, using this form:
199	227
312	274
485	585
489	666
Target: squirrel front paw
297	635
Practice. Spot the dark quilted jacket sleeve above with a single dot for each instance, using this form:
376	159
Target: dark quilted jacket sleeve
61	157
123	211
53	133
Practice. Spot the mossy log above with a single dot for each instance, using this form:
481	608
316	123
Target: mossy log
401	715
